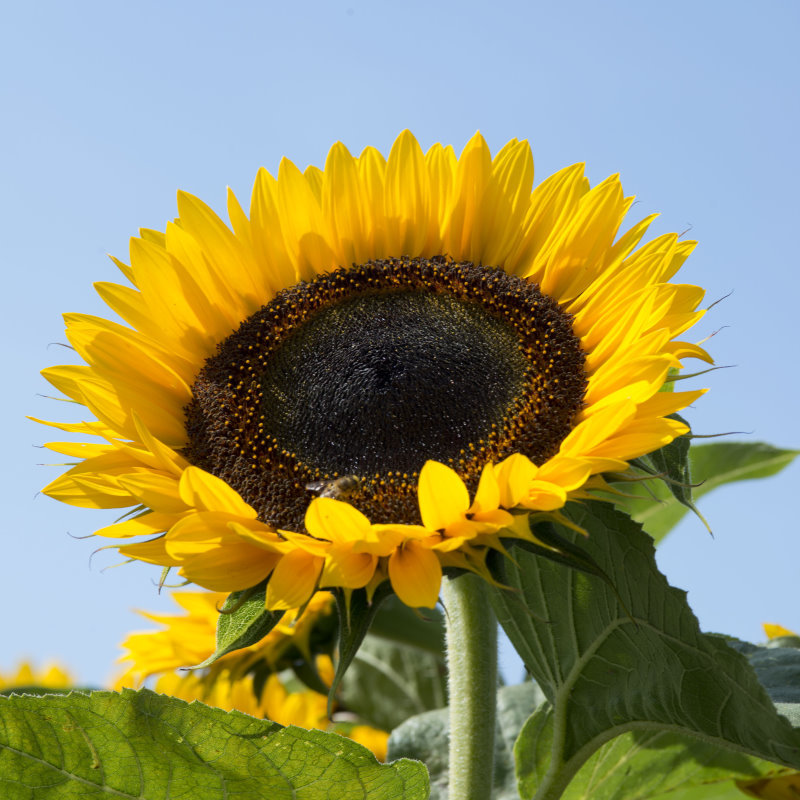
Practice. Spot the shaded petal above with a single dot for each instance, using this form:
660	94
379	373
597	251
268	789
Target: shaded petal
348	569
229	569
293	580
416	575
514	477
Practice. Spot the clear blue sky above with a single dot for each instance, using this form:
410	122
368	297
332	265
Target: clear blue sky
109	108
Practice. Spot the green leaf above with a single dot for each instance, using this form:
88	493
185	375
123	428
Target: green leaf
356	613
607	673
649	764
711	465
243	621
388	682
398	623
672	464
778	669
39	690
144	745
425	738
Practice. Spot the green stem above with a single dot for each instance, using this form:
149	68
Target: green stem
472	664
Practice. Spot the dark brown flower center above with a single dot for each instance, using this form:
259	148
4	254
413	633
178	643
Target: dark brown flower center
347	385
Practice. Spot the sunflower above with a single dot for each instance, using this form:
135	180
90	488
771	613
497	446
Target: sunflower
189	638
27	676
384	369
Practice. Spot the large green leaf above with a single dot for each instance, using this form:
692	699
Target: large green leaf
643	765
425	737
649	764
144	745
387	683
711	465
610	667
634	766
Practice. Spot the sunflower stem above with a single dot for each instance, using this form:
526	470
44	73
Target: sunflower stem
472	664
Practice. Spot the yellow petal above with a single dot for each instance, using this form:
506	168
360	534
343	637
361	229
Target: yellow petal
344	207
229	569
335	520
158	492
441	166
487	496
202	490
79	449
293	580
552	202
151	552
265	229
544	496
173	296
569	473
514	477
572	259
144	525
406	197
774	631
384	539
348	569
462	234
372	172
443	498
223	251
640	436
260	535
416	575
86	492
304	230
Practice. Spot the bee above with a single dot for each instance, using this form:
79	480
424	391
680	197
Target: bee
338	488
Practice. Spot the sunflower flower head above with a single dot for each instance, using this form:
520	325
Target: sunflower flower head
384	368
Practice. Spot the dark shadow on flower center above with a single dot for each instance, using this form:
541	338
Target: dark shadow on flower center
371	371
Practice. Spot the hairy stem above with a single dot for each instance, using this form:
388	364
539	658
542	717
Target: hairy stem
472	663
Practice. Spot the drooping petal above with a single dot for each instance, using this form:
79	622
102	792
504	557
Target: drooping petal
345	568
416	575
293	580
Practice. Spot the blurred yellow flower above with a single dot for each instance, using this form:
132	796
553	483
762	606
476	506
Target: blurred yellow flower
189	639
775	631
28	676
784	787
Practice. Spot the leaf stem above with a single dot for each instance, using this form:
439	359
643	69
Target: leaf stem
472	664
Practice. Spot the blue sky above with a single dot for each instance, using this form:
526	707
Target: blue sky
109	108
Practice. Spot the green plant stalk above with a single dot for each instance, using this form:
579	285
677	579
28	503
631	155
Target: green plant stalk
471	637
